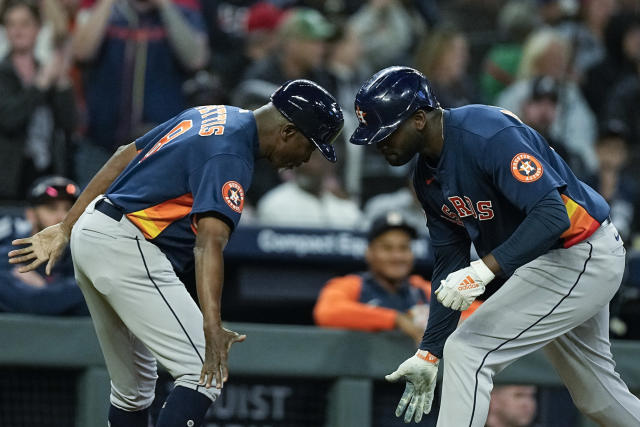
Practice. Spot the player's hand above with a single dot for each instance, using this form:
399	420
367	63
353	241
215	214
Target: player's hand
218	344
47	245
461	287
420	372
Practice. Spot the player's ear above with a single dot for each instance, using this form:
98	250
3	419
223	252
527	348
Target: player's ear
288	131
420	119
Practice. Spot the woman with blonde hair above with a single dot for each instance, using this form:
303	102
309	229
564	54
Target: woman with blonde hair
547	53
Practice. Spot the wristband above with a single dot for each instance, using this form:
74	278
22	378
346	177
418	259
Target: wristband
483	272
426	356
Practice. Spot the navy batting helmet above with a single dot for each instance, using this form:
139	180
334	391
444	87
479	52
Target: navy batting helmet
387	99
313	110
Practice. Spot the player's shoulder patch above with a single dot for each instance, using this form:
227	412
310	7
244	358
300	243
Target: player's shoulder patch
526	168
233	195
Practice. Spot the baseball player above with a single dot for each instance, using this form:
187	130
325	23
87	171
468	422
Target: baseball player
483	176
182	184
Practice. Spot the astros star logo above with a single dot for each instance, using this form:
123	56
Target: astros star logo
361	115
233	195
526	168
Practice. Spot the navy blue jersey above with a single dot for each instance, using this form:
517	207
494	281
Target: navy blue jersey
199	161
492	171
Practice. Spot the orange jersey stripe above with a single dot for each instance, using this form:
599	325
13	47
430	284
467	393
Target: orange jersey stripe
153	220
582	226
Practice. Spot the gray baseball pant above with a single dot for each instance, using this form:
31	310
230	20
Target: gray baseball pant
140	309
557	302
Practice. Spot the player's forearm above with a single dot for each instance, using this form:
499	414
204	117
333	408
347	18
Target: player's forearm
189	45
353	315
442	320
100	182
540	229
210	242
89	34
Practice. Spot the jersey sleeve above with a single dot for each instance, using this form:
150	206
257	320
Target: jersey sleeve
219	187
191	10
338	306
515	159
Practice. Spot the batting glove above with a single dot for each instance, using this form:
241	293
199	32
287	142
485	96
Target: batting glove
461	287
420	372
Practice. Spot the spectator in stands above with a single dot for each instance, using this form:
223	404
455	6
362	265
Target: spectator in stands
386	296
623	104
540	111
347	71
586	35
240	34
50	198
308	200
300	54
53	28
516	20
512	406
622	39
136	56
37	107
443	56
385	29
547	53
612	181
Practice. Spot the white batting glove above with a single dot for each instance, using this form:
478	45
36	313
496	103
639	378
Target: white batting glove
420	372
461	287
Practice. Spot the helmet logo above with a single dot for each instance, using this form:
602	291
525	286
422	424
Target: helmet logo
361	115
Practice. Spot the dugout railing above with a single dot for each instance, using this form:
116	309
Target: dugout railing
351	361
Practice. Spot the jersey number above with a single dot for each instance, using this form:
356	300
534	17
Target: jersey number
181	128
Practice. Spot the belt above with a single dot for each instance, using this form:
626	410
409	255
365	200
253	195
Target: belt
109	210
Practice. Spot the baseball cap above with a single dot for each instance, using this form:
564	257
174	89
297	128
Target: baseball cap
390	221
545	87
51	188
263	16
305	24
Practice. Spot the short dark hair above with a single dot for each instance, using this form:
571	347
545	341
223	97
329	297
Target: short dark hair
29	4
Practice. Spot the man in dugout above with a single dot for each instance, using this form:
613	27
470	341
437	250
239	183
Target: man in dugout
386	296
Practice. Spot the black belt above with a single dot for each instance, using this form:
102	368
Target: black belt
109	210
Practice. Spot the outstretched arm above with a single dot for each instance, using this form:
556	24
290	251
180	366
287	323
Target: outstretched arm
213	234
49	244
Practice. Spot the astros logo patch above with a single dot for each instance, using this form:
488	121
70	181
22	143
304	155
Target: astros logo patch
233	195
526	168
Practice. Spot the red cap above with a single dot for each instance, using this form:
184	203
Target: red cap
263	16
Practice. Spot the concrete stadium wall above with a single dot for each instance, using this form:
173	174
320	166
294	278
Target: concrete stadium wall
352	360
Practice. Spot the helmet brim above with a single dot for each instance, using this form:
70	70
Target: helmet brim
365	136
327	150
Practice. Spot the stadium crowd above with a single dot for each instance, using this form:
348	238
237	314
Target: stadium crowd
78	78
